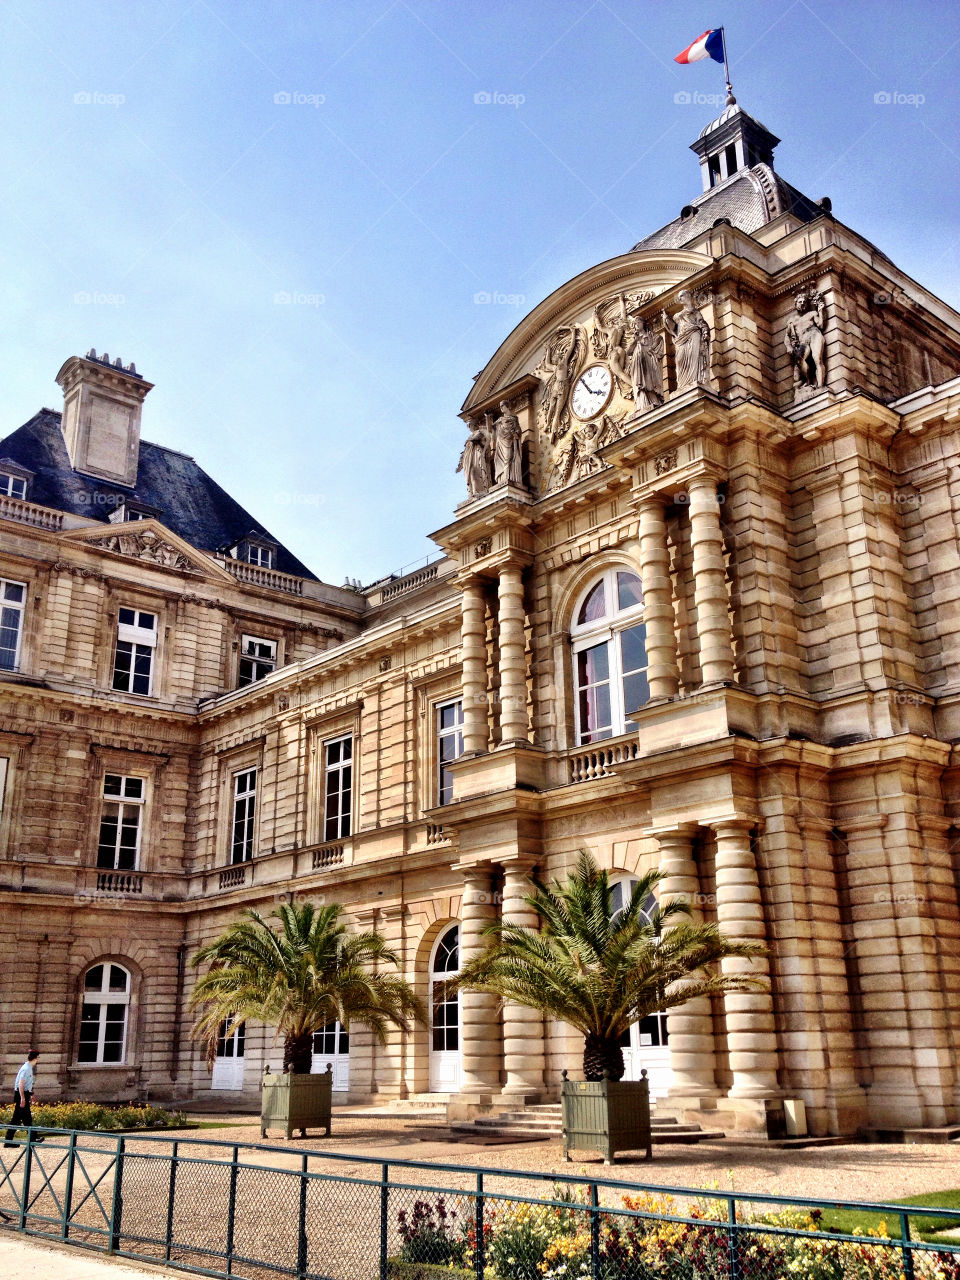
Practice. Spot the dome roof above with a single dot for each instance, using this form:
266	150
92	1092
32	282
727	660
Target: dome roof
726	115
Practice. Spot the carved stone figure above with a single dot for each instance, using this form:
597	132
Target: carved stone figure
475	460
645	367
590	439
608	344
691	343
805	343
556	372
507	458
147	546
562	465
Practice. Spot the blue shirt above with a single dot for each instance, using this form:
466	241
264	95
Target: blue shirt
25	1077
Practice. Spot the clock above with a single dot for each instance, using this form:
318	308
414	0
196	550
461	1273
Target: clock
592	391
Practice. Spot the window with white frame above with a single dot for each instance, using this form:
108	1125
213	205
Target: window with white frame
133	657
258	553
337	787
608	638
104	1015
121	821
244	814
258	657
13	600
13	486
449	746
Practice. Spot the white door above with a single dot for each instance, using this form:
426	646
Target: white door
445	1014
228	1064
645	1046
332	1045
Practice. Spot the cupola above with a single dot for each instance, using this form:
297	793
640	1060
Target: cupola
731	142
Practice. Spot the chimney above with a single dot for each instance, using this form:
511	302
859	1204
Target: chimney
101	416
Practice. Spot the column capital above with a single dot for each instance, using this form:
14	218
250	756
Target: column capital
473	871
739	822
685	829
520	865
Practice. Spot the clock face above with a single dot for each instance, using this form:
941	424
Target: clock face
592	391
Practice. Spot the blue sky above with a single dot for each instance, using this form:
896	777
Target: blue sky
148	166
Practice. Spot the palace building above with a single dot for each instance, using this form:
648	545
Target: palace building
698	610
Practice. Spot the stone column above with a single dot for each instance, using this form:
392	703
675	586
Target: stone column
479	1024
474	677
513	676
710	587
523	1034
689	1027
663	673
751	1034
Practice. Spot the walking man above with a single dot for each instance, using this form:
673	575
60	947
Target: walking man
22	1097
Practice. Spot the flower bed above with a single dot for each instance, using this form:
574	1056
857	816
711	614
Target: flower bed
553	1242
94	1115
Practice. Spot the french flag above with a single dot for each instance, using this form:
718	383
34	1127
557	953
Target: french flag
709	45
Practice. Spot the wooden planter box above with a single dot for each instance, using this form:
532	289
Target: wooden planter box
606	1116
296	1102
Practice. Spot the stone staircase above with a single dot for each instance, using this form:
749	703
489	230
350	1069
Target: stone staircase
544	1121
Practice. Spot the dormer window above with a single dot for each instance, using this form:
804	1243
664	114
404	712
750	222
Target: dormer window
129	509
14	479
255	549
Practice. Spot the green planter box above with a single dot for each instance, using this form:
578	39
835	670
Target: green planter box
606	1116
296	1102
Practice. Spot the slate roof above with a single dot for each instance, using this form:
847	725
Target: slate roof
191	504
750	199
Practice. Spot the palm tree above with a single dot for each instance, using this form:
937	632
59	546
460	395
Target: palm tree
297	978
601	970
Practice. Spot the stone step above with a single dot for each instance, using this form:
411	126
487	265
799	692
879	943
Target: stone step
663	1135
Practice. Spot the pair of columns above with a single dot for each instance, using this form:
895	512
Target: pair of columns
751	1031
523	1041
512	665
709	585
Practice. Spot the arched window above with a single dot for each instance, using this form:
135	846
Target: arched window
621	890
445	1014
104	1012
609	656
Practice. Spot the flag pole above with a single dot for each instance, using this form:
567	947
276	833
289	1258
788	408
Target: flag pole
731	100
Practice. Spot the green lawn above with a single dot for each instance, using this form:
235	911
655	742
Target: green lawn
853	1222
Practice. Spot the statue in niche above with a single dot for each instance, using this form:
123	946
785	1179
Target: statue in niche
556	371
805	341
607	338
507	455
691	342
645	367
475	461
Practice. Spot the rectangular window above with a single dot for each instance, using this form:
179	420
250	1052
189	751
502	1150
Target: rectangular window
258	657
15	486
244	812
449	746
13	599
338	787
133	659
257	554
118	848
593	693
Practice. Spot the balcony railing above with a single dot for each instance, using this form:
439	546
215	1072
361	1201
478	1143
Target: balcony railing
328	855
120	883
233	877
257	576
600	760
30	513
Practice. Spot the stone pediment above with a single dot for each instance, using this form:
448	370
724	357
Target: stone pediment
152	542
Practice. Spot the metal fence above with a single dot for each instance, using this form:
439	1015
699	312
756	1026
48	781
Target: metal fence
261	1211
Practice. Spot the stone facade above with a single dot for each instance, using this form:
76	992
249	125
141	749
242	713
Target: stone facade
783	747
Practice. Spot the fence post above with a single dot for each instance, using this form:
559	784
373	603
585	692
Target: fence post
594	1232
384	1212
68	1189
302	1233
116	1213
905	1249
479	1260
27	1162
232	1209
732	1238
171	1199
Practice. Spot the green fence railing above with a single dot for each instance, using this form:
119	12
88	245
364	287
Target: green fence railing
260	1211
